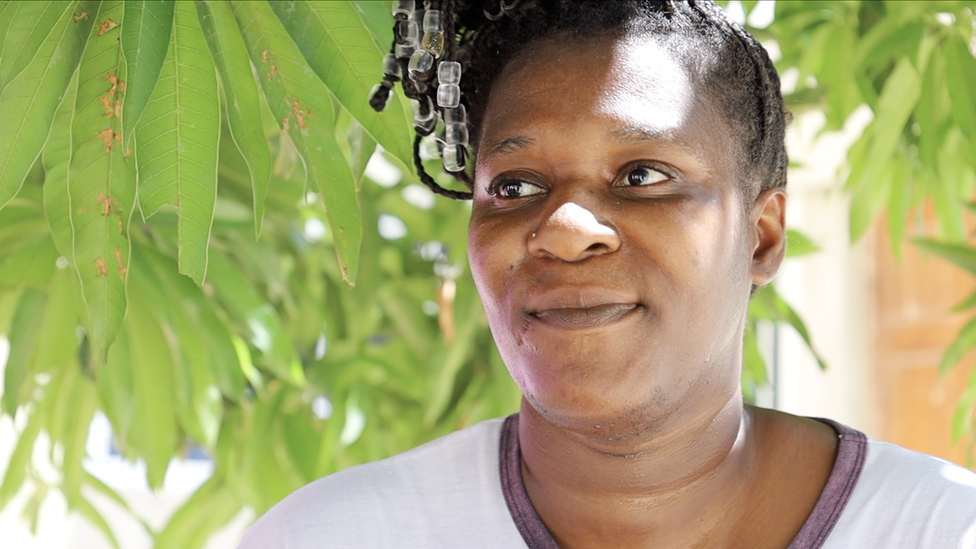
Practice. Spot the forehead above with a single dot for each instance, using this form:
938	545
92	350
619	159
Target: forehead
634	85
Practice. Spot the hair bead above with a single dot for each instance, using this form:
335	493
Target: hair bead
403	9
456	133
454	158
421	62
391	68
448	96
449	72
406	33
424	117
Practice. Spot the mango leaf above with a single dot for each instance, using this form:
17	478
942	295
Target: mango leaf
962	418
177	140
962	344
961	81
146	26
84	402
153	429
336	42
210	507
101	181
961	255
34	21
20	459
302	105
29	101
766	304
240	97
23	333
55	158
83	506
798	244
896	103
262	320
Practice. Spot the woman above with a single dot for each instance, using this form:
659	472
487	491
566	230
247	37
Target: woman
628	196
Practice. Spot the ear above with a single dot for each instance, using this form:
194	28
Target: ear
768	227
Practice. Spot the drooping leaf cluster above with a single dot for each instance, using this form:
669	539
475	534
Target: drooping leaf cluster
913	65
183	206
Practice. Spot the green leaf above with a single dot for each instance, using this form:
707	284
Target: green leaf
84	402
965	340
961	81
302	105
55	157
35	20
798	244
962	418
334	38
897	101
197	396
153	429
23	332
146	26
29	101
20	459
959	254
767	304
32	264
101	182
262	320
83	506
240	97
210	507
177	141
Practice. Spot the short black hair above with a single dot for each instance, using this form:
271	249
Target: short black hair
724	60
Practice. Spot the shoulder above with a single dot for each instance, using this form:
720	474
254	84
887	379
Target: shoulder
438	494
907	499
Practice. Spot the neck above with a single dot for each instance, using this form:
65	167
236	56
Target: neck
593	490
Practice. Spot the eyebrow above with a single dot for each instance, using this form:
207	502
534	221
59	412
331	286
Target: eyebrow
637	133
506	146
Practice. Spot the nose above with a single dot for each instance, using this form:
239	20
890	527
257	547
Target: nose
572	233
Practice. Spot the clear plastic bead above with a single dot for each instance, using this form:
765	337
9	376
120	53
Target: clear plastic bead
448	96
454	158
430	148
405	50
418	112
421	62
433	21
456	115
449	72
391	67
433	42
403	9
407	33
456	134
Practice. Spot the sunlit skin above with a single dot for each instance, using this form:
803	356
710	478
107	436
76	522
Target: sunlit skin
614	250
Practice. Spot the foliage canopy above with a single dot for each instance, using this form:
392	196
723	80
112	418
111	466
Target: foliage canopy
184	207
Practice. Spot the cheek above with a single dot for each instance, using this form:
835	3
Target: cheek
492	253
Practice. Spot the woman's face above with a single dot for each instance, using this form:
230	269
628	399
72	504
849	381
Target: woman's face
608	237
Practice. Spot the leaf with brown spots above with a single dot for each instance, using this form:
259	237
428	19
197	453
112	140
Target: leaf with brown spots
106	26
28	102
101	182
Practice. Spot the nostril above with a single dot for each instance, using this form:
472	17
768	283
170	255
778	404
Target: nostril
597	246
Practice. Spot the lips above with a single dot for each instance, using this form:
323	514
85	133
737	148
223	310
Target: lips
579	318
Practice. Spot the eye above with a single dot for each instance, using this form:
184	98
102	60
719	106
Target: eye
643	175
514	188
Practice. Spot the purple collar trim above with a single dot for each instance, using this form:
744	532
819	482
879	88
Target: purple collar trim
851	452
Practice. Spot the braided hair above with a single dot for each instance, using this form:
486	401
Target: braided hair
480	38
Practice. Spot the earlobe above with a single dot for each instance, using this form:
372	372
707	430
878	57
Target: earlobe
768	228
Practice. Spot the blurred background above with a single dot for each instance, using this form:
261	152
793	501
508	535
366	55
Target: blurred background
176	418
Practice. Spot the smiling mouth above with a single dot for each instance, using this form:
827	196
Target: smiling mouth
578	318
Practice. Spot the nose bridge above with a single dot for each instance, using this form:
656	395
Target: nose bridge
573	232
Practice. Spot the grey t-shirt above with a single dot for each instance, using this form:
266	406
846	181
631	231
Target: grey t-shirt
466	490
